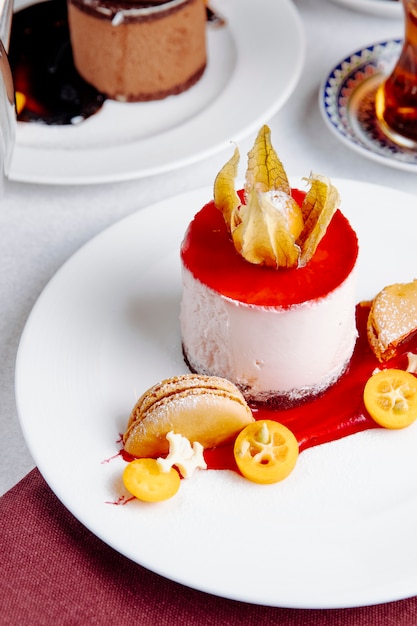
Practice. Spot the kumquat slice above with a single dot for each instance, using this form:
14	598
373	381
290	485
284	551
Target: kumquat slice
266	451
145	480
390	397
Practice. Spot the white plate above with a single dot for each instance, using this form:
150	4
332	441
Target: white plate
382	8
346	101
254	63
339	532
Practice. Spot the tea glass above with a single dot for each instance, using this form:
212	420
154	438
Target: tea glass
396	98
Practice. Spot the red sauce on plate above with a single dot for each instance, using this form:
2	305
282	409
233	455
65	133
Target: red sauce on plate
336	414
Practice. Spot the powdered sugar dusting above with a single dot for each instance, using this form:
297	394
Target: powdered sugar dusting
398	311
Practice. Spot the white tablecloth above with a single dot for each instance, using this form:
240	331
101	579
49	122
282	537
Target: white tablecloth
42	226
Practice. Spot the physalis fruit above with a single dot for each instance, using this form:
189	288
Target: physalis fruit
269	227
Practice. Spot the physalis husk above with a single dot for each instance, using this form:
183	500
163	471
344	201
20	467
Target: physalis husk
270	228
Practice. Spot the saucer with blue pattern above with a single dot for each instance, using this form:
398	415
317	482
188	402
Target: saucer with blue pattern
346	101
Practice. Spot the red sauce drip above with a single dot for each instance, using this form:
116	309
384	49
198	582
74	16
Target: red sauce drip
207	251
126	456
336	414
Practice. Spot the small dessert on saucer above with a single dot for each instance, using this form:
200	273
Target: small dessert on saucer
392	320
268	277
203	409
139	50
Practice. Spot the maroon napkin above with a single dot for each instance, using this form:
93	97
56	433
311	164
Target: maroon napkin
53	571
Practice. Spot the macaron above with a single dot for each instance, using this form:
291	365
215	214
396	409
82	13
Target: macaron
207	409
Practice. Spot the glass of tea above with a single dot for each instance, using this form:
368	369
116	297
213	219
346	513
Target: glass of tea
396	98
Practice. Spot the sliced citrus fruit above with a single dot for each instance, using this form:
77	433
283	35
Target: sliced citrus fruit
145	480
266	451
390	397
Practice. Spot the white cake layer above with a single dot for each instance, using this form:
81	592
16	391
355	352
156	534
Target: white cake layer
269	351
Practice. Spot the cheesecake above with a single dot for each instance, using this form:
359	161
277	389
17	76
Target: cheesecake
277	319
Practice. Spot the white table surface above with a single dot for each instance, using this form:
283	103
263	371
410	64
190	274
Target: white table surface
42	226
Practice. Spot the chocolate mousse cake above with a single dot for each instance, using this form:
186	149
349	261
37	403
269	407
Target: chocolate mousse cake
268	295
134	50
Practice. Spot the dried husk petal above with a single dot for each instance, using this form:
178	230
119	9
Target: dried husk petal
265	170
225	196
318	209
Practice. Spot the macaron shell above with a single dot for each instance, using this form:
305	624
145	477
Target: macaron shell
177	384
211	417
